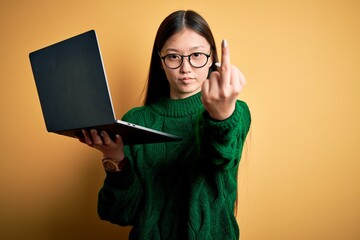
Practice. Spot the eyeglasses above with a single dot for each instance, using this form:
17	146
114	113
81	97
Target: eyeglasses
196	59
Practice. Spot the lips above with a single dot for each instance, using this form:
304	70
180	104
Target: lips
186	80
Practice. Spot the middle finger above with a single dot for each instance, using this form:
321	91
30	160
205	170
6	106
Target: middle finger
225	68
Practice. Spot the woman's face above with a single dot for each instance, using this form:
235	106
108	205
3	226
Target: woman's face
186	80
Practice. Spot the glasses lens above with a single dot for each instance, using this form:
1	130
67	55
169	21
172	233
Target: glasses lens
198	60
173	60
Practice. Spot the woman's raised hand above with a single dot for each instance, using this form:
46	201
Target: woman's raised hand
220	91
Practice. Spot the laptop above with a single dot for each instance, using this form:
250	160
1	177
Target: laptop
74	94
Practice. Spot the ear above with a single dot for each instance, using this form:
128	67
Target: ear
211	60
161	65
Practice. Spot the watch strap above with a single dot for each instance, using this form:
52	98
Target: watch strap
112	166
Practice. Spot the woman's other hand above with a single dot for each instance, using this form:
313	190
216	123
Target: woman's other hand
113	149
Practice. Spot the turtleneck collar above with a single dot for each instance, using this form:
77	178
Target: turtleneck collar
178	107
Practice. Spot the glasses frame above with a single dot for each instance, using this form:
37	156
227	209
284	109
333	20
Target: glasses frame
182	59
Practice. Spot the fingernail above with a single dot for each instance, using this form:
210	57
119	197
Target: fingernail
224	43
218	64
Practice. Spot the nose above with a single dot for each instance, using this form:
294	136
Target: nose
185	65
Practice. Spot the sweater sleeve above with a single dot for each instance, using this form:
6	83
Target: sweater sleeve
221	142
120	197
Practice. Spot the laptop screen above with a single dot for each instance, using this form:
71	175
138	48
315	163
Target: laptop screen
71	84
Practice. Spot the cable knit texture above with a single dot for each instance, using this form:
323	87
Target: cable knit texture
179	190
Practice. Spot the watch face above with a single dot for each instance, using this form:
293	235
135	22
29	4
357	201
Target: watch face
110	166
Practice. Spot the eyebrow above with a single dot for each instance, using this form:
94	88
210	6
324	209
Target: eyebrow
191	49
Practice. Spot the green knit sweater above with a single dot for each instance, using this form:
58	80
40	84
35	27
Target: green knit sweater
179	190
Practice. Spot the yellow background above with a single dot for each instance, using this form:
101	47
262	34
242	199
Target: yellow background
300	176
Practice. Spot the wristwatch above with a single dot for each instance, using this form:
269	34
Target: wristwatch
111	166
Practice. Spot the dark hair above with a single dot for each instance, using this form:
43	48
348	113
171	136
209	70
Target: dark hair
158	84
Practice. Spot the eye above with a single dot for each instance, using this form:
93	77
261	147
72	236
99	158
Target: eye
173	57
197	55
